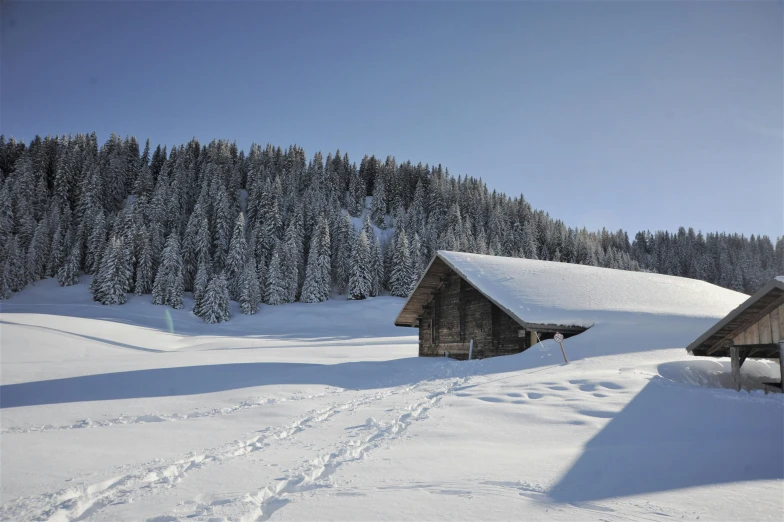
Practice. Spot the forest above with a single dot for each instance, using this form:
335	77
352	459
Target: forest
276	227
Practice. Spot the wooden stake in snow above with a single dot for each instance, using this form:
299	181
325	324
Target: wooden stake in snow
558	337
470	349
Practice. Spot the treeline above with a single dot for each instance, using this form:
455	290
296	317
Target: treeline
276	227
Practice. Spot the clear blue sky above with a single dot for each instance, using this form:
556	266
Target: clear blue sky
641	115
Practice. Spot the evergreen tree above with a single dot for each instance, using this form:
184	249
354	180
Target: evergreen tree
114	276
376	268
68	274
250	291
144	267
360	285
200	283
169	286
215	306
401	278
236	261
276	288
317	284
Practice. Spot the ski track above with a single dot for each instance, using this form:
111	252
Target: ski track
259	505
79	503
159	417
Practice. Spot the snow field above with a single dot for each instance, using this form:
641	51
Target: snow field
313	412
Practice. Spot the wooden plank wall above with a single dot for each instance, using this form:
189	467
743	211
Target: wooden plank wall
458	313
769	329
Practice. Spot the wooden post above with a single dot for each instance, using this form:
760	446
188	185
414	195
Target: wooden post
735	361
564	353
470	349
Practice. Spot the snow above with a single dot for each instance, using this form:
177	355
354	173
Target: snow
547	292
323	411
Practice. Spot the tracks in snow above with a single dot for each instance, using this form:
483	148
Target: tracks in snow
259	505
81	502
161	417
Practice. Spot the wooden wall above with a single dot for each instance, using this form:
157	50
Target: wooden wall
769	329
458	313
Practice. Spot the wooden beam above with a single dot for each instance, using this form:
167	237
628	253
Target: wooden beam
718	345
735	358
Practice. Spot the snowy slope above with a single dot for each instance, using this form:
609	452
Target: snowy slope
315	412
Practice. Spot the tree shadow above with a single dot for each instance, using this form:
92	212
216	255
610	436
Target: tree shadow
671	437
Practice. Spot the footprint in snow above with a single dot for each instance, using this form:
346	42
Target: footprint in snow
534	395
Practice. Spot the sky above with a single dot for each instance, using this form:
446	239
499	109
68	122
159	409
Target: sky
634	115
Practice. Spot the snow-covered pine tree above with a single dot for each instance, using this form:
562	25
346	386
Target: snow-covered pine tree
17	275
96	243
291	259
68	274
169	286
376	268
237	258
276	288
360	281
144	267
250	293
317	284
114	276
324	259
200	283
402	275
418	262
215	306
5	279
38	252
378	208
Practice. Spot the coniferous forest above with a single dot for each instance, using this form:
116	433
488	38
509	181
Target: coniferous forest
275	226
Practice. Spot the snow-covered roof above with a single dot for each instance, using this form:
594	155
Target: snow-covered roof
712	342
563	294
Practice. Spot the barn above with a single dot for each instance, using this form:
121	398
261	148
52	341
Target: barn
453	305
755	329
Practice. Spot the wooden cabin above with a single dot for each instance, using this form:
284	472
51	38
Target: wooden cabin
451	309
755	329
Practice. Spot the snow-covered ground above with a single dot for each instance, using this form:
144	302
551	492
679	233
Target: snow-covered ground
313	412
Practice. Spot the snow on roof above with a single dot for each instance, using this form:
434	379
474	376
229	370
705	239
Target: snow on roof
546	292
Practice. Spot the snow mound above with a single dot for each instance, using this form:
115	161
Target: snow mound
547	292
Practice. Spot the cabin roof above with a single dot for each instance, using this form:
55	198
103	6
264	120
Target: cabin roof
714	342
548	295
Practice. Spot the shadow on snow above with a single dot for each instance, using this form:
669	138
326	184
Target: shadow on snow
672	436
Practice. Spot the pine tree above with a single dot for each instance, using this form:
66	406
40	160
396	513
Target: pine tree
114	277
360	280
169	287
376	268
236	260
215	306
95	243
68	274
5	279
317	284
144	267
38	253
275	289
378	208
401	278
17	274
200	283
250	291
